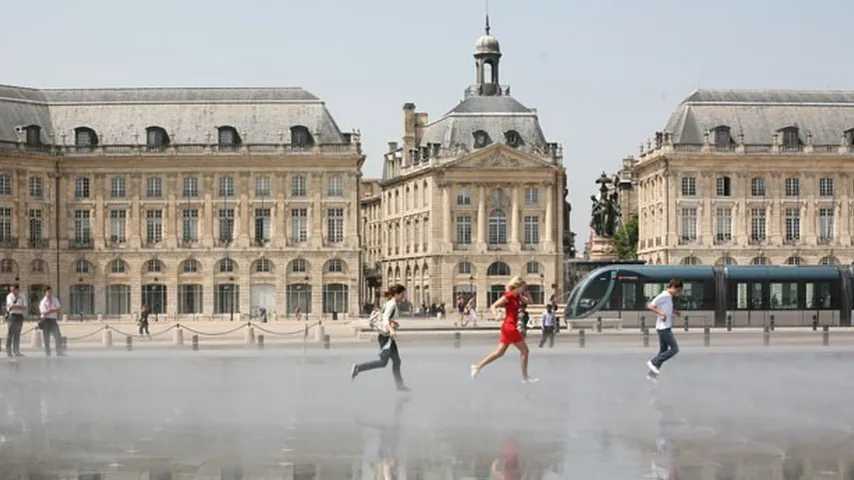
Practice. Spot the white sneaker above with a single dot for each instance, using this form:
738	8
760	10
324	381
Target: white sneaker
530	380
474	371
653	378
652	368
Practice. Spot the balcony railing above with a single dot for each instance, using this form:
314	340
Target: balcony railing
223	242
81	244
9	242
183	149
38	243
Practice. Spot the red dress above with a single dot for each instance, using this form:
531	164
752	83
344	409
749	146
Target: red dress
509	331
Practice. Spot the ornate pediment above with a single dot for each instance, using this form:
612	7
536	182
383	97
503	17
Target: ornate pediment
497	159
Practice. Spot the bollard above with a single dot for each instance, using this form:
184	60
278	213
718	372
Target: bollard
260	342
36	339
643	323
772	323
825	335
107	337
729	323
129	343
645	337
195	342
766	336
457	339
319	333
326	339
178	336
250	335
581	338
65	317
814	323
1	343
598	324
707	336
686	323
100	317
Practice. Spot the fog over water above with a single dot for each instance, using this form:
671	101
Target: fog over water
772	413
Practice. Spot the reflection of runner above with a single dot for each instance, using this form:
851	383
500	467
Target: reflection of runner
513	297
387	327
507	466
383	458
470	312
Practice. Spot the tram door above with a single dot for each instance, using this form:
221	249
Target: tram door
746	304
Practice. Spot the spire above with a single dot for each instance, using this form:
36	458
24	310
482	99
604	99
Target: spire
487	17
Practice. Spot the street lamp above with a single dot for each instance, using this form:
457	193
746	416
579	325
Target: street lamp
230	288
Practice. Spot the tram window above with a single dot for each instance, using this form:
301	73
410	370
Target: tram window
593	294
755	296
819	296
784	296
746	296
692	296
651	290
629	296
741	296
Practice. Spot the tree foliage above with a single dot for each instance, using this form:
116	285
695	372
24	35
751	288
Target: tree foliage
626	240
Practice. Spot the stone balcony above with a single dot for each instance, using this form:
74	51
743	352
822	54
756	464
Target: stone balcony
183	149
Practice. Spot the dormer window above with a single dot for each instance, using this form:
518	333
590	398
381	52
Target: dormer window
301	137
722	137
228	137
33	135
791	138
512	138
156	138
481	139
85	137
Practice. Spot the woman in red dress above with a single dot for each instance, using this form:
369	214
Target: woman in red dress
513	297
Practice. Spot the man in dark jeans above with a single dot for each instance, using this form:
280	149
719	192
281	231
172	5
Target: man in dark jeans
548	322
16	307
50	309
664	309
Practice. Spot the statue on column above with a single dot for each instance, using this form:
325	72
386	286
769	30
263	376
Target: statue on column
605	216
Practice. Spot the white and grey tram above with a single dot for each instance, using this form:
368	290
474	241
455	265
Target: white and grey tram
720	296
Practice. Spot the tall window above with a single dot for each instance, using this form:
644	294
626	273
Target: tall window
335	266
723	139
299	224
226	224
118	188
154	226
81	187
336	186
118	299
757	187
262	225
299	265
532	196
227	298
791	138
793	224
263	265
263	186
190	224
34	135
335	298
82	300
723	224
154	187
118	222
689	186
153	266
189	298
335	224
463	198
36	225
825	187
82	228
532	229
497	228
5	184
463	229
191	187
118	267
464	268
792	187
36	187
757	224
227	265
689	224
226	186
190	266
825	224
722	186
5	224
298	186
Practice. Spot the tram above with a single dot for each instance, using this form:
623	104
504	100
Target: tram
716	296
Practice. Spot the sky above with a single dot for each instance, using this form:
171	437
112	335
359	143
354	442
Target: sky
603	75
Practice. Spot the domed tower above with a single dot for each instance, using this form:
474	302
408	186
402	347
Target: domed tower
487	54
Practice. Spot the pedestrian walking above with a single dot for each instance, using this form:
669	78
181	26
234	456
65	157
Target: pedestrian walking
16	307
49	310
524	319
461	309
549	324
513	298
663	307
143	319
387	326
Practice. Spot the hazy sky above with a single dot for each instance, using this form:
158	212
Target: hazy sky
604	75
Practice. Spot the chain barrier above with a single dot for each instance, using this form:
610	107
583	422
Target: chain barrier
167	330
286	334
81	337
303	330
28	331
121	332
216	334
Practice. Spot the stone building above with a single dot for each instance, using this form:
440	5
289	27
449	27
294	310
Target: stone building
471	199
199	202
750	177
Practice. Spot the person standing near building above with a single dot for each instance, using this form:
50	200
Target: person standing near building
387	338
663	307
143	319
548	322
16	307
50	309
514	296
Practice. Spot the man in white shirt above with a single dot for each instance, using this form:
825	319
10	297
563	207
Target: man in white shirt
50	308
548	322
662	306
16	307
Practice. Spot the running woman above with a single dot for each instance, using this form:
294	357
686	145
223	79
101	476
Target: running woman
663	307
387	334
513	297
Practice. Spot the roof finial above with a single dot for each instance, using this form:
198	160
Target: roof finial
487	17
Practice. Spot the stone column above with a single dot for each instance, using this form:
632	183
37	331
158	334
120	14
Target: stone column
549	220
315	237
481	219
446	212
514	219
279	227
707	220
135	239
171	230
244	209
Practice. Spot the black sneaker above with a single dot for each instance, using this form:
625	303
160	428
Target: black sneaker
354	371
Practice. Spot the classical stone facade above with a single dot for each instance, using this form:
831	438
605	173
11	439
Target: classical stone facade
471	199
750	177
198	202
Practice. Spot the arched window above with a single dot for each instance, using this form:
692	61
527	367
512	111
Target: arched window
791	138
760	260
723	261
227	265
190	266
301	137
794	260
228	137
118	266
85	137
153	266
533	268
481	139
299	265
512	138
498	269
334	266
722	137
829	260
497	227
692	260
7	265
263	265
82	266
465	268
38	266
33	135
156	138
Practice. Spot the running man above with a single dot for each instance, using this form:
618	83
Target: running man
512	299
663	307
387	339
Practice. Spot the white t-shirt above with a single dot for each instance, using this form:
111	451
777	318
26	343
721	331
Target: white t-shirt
20	303
48	304
664	302
389	313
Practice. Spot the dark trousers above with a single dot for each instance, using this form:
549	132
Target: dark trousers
667	347
385	354
51	329
143	327
548	334
13	334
